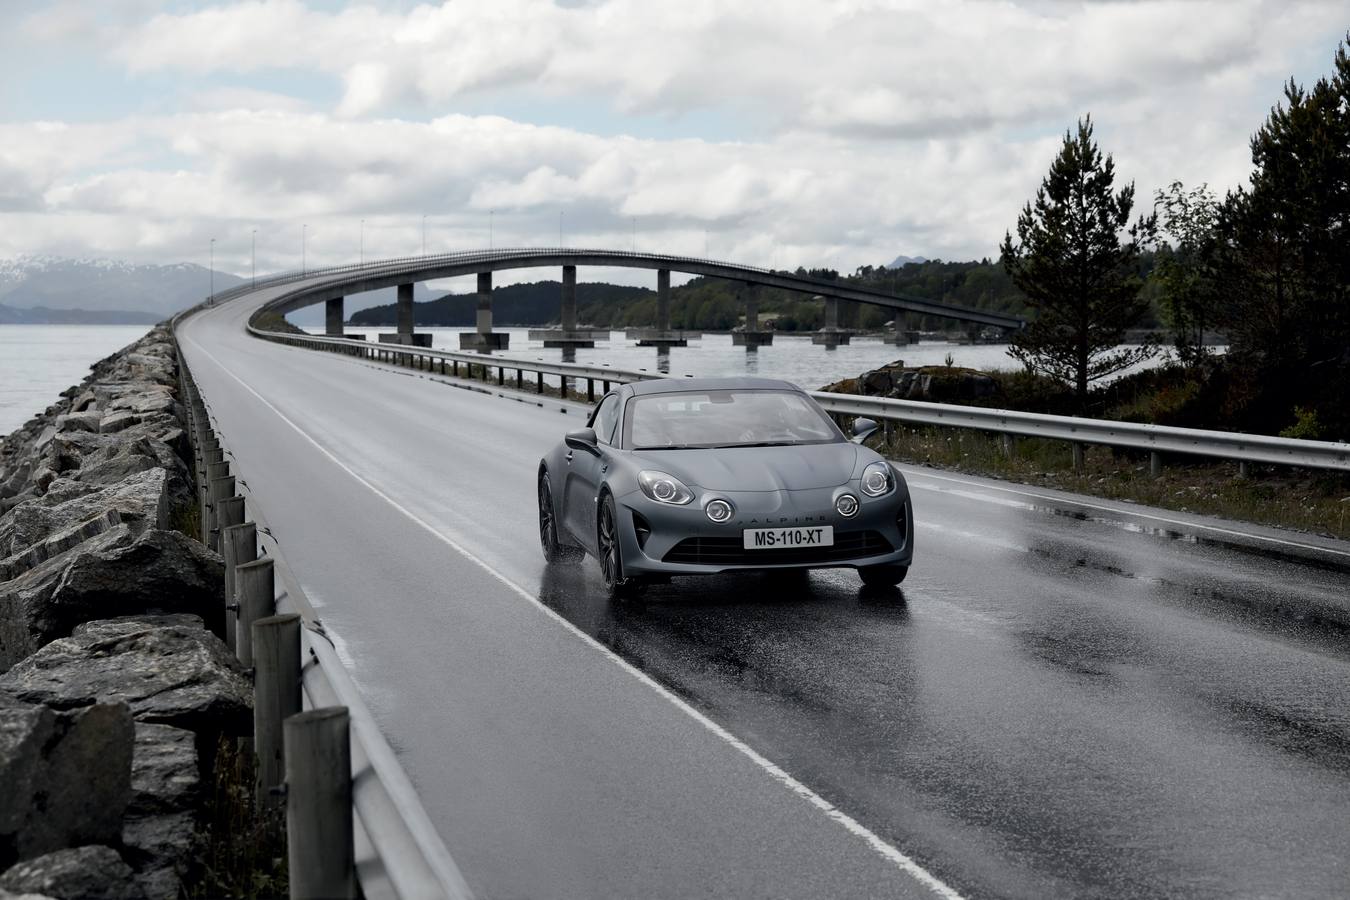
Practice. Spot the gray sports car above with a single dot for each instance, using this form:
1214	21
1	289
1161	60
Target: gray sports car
699	476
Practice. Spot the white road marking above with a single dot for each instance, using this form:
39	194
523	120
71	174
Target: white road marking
893	855
1046	498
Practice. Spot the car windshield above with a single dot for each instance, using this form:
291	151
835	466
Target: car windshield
730	418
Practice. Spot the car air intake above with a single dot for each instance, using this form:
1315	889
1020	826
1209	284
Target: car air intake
730	551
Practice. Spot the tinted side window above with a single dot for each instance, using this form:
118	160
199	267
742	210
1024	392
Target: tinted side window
606	417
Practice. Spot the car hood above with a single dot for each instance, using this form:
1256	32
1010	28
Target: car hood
796	468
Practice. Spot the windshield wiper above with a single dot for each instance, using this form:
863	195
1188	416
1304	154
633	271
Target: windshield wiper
760	444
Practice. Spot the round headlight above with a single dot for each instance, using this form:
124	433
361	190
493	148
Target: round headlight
846	505
876	479
718	510
664	488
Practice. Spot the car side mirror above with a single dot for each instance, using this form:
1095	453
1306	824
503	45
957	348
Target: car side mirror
862	429
583	439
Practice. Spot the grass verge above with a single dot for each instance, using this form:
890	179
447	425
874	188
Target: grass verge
1300	499
244	847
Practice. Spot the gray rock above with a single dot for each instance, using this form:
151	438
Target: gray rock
36	554
140	499
81	873
84	402
164	773
116	573
82	421
118	421
167	671
67	776
163	851
6	895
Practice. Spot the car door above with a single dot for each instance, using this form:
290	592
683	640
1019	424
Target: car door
585	472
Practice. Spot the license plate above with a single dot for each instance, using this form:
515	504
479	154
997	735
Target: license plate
788	538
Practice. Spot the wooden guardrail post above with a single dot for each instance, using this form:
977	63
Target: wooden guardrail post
1155	465
217	491
238	545
276	694
255	588
320	846
1077	457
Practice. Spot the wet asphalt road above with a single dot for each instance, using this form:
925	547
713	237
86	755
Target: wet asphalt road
1067	698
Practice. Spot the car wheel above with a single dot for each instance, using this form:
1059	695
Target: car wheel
611	552
554	551
883	576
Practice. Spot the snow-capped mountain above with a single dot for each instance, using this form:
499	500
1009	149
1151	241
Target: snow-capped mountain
104	284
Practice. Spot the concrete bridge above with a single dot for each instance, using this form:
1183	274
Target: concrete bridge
403	274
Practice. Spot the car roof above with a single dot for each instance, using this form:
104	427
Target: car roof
679	385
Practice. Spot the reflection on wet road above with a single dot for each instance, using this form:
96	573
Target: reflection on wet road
1065	699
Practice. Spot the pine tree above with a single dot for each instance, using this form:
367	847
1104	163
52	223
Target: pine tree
1080	280
1286	264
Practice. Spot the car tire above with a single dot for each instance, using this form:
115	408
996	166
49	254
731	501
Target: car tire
883	576
554	550
610	554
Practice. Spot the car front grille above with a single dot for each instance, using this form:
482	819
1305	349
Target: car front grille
730	551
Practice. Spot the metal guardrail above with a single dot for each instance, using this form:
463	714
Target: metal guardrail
1248	448
399	854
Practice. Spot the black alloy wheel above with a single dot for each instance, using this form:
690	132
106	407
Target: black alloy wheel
554	550
611	554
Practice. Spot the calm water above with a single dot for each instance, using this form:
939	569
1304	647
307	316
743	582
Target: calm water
38	362
791	358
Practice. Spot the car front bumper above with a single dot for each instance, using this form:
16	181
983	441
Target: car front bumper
661	539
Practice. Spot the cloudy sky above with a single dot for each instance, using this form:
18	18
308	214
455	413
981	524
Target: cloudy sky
773	132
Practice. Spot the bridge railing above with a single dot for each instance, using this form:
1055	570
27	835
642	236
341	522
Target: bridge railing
1156	439
398	853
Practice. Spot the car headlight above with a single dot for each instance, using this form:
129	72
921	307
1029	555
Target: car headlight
664	488
876	479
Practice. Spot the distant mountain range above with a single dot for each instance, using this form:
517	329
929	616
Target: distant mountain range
41	315
99	291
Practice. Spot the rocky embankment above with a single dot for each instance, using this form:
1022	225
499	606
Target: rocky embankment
116	686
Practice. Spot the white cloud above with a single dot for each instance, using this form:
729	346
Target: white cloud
860	128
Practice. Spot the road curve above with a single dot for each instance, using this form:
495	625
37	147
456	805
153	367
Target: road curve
1069	698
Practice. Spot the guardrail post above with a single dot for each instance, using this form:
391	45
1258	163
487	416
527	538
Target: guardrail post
520	379
238	545
217	489
276	694
590	390
320	846
501	375
1155	465
255	587
229	512
1244	469
539	378
1077	457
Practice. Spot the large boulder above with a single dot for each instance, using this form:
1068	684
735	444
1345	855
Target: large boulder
160	831
66	776
81	873
140	499
168	669
117	573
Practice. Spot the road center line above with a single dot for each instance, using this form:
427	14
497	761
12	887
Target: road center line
888	852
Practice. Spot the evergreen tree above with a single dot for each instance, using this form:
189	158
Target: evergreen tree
1185	270
1080	280
1286	264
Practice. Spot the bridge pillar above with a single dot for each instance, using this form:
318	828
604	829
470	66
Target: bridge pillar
404	320
484	340
333	317
830	335
661	335
751	337
567	336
